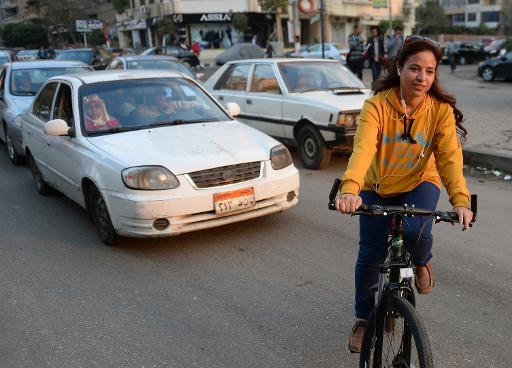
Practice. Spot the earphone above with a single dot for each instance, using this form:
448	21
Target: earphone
423	145
398	72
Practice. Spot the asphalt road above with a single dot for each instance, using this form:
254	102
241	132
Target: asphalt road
271	292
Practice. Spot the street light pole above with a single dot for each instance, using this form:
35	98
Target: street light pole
322	27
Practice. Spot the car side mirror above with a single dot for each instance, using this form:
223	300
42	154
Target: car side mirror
56	127
233	109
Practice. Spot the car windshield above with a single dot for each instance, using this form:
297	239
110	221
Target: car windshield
83	56
314	76
118	106
26	82
171	65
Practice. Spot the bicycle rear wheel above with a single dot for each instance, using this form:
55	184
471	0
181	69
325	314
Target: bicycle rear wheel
395	337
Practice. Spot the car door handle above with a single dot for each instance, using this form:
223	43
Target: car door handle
249	101
221	98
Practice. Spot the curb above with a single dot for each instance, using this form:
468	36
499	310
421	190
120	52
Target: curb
488	157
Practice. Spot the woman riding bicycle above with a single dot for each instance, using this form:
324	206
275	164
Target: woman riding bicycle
405	146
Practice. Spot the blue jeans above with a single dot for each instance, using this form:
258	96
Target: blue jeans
373	237
376	69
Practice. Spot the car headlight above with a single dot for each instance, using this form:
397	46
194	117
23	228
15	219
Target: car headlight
280	157
347	120
149	178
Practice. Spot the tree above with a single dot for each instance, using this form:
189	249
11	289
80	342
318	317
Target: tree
120	5
240	23
164	27
384	25
96	38
430	18
277	7
60	16
25	34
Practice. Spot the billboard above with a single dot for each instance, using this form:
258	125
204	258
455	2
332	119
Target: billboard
87	25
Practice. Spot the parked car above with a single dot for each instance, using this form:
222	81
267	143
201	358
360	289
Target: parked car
240	51
467	53
498	67
27	55
331	51
150	153
7	56
92	57
313	104
19	83
155	62
494	48
184	55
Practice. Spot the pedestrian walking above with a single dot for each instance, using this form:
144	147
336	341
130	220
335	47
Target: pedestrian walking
396	41
355	57
42	53
375	51
450	53
51	52
406	147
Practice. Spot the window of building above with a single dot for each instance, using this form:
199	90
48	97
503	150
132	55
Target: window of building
473	2
458	18
471	17
491	16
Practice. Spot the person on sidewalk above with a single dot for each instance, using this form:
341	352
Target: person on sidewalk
355	57
396	41
450	53
407	145
375	52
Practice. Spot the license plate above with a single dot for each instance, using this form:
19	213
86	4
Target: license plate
234	200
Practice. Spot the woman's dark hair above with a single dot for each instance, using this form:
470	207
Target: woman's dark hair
392	79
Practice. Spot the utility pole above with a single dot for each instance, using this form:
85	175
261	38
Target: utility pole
293	15
322	36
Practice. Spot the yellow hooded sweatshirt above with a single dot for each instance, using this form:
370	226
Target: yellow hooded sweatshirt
385	163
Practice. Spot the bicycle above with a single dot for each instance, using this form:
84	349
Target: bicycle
394	335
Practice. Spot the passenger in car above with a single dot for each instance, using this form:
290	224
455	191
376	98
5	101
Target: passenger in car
96	114
305	82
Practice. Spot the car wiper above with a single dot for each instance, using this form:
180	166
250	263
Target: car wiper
25	93
113	130
313	89
177	122
345	88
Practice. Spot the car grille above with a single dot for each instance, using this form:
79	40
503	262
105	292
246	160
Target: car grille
225	175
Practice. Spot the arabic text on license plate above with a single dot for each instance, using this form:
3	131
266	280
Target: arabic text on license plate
234	200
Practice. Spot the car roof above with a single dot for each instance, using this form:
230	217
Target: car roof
146	57
282	60
82	49
115	75
46	64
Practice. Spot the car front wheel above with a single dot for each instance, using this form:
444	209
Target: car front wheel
101	217
488	74
312	149
41	186
15	158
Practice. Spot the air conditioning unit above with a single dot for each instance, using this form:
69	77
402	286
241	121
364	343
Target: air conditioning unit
142	9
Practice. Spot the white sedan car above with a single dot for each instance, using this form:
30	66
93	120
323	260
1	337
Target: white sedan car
313	104
151	153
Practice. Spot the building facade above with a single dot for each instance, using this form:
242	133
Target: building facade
473	13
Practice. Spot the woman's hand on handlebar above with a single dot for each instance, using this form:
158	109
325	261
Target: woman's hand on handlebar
465	216
348	203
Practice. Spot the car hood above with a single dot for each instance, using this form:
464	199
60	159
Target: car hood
21	103
187	148
342	100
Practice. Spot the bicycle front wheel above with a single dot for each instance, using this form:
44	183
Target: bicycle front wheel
395	337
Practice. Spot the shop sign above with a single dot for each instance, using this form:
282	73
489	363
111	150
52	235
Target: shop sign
202	18
87	25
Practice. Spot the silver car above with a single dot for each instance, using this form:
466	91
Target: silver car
153	62
19	84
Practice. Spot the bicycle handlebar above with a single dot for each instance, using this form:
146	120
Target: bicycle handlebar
406	210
